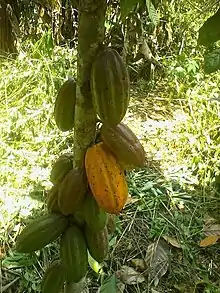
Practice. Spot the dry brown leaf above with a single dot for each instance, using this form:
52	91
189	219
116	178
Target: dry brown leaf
209	240
139	264
172	241
212	229
129	276
157	260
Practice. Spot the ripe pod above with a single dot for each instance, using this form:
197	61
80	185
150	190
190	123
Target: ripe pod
106	179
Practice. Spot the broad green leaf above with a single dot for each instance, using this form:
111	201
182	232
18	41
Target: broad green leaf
212	61
19	260
109	285
126	6
152	12
210	31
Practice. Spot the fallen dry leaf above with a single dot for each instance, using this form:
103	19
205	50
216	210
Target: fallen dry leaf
139	264
212	229
129	276
209	240
172	241
157	260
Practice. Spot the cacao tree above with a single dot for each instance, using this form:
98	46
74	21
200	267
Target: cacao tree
90	183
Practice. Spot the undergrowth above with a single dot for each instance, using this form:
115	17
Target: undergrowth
178	123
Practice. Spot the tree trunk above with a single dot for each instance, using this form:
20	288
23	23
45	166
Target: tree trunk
6	36
91	36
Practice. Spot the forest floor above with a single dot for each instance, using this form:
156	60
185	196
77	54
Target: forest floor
166	238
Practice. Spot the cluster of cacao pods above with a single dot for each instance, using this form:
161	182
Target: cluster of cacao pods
83	201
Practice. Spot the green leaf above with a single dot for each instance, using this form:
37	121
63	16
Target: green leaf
210	31
19	260
152	12
212	61
109	285
94	265
126	6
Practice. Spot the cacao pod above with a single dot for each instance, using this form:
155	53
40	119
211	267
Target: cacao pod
111	223
97	243
54	278
61	167
73	254
124	144
94	216
72	191
110	87
41	232
77	217
64	110
106	179
52	200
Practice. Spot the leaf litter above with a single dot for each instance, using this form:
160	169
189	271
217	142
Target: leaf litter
157	260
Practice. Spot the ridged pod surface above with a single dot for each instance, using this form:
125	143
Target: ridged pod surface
52	200
106	179
72	191
110	87
61	167
94	216
64	110
97	243
54	278
41	232
124	144
73	254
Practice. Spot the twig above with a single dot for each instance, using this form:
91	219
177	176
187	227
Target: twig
6	287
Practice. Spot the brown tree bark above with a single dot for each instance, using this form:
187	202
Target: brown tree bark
7	41
90	37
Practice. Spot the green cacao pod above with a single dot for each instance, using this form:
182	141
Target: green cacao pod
41	232
97	243
77	217
61	167
94	216
64	110
110	87
73	254
52	200
72	191
54	278
124	144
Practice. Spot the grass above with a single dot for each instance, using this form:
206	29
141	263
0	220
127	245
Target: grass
178	124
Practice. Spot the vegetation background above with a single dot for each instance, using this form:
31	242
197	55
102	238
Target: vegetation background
166	239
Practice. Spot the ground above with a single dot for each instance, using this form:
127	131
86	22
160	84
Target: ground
174	200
